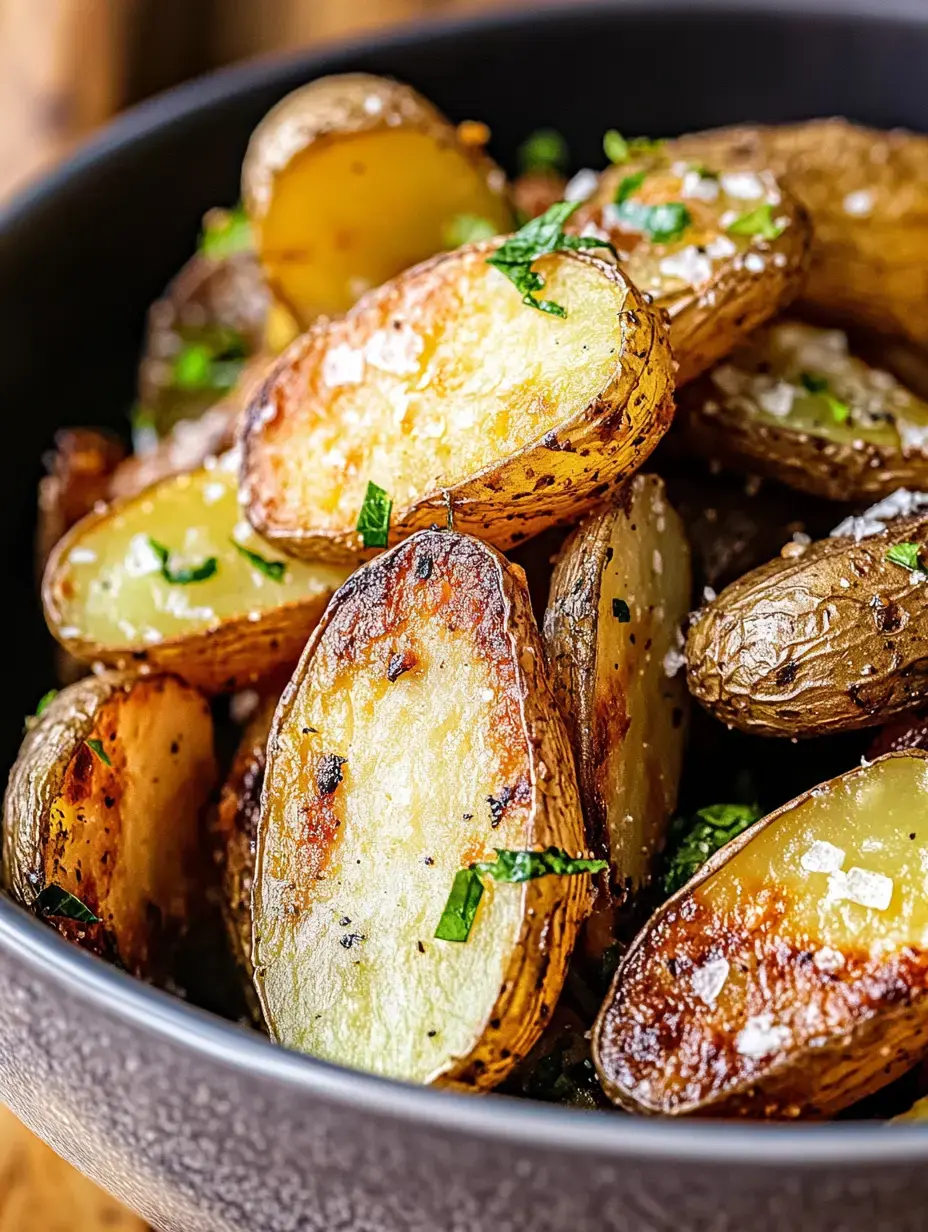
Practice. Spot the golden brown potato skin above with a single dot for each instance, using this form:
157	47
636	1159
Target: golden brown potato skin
868	267
830	640
72	820
550	480
436	589
234	833
854	1023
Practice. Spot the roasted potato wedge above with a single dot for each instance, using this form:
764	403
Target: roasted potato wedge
789	977
234	832
210	320
830	639
795	405
104	803
449	393
867	194
720	251
619	595
221	609
353	178
417	735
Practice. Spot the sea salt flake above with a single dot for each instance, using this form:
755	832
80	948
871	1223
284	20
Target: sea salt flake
708	981
914	437
342	365
858	203
822	857
581	186
778	400
395	350
760	1036
744	185
873	521
689	264
81	556
698	187
861	886
827	959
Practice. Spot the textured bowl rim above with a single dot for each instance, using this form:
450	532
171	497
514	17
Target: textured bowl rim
519	1122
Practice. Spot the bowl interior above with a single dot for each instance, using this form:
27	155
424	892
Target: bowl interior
84	252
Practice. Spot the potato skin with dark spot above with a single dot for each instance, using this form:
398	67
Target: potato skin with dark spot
827	641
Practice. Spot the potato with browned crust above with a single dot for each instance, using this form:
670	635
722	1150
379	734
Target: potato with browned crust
102	811
866	192
789	977
417	736
234	835
448	391
822	639
176	579
720	251
795	404
619	595
353	178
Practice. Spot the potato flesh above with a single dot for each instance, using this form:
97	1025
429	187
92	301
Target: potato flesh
436	392
124	838
773	954
764	378
352	210
110	589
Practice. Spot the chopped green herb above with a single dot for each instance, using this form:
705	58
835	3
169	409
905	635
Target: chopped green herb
629	185
693	840
618	149
44	702
96	747
226	232
182	577
704	172
543	150
458	916
274	569
53	900
213	361
620	611
908	555
374	518
467	229
661	223
758	222
509	866
538	237
818	385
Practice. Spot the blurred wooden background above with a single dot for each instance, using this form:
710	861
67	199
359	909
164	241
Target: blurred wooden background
66	66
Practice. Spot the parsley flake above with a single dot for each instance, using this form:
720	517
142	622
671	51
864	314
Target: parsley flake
53	900
537	238
226	232
274	569
620	611
619	149
543	150
693	840
96	747
44	702
628	185
661	223
818	385
759	222
509	866
211	362
908	555
184	576
374	519
467	229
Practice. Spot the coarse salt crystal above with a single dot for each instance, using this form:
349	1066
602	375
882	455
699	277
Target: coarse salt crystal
689	264
81	556
342	365
673	661
914	437
698	187
744	185
213	492
581	186
861	886
858	203
827	959
873	521
721	247
760	1036
395	350
777	401
708	981
822	857
373	104
708	595
754	263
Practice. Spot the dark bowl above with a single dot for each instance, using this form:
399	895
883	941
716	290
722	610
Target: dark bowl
199	1124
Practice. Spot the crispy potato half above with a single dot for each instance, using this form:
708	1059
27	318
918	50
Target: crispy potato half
445	390
821	640
720	251
417	735
234	833
620	592
867	194
795	405
104	803
176	580
789	978
353	178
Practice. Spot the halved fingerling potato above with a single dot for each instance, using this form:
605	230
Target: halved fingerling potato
353	178
104	803
720	252
222	609
417	735
788	978
821	640
867	194
619	595
449	393
234	834
794	404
